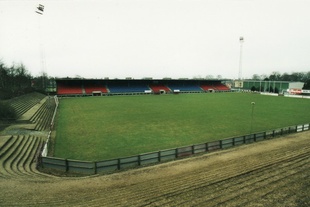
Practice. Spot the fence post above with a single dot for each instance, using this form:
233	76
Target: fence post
118	163
254	137
67	165
95	167
221	144
139	160
193	149
159	156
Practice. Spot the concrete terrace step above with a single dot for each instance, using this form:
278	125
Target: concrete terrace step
33	110
4	140
19	156
25	102
43	116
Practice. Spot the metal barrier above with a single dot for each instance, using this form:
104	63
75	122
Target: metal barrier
84	167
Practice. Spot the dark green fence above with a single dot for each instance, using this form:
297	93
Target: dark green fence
84	167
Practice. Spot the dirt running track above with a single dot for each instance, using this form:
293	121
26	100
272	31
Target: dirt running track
268	173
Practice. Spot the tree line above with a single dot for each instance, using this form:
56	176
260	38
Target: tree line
16	80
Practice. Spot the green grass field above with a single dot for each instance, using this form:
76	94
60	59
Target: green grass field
99	128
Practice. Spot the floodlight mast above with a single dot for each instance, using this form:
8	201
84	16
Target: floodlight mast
241	40
40	10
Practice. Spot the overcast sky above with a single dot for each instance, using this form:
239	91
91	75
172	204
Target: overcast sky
156	38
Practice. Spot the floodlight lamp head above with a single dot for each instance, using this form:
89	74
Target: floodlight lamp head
40	9
241	39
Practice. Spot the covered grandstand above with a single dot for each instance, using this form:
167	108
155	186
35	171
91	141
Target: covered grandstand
100	87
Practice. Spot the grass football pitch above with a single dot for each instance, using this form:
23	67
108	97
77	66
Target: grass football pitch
100	128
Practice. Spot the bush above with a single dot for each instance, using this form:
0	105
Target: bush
7	112
5	94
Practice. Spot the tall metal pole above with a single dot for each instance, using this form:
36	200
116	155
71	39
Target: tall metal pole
241	39
40	10
252	116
